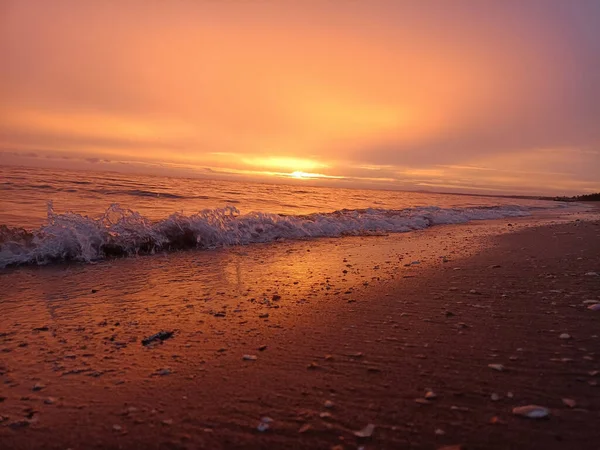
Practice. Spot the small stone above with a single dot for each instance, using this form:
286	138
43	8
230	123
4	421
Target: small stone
262	427
50	401
422	401
591	274
430	395
496	421
569	402
498	367
38	387
495	397
594	307
325	415
313	366
249	357
117	428
439	432
531	411
565	336
304	428
366	432
167	422
328	404
262	348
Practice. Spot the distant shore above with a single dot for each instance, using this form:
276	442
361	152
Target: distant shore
432	337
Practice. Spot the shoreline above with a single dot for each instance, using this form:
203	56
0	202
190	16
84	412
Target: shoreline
393	331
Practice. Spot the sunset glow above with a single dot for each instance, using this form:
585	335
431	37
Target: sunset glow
484	96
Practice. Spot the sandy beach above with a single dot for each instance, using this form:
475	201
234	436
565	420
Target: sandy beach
304	344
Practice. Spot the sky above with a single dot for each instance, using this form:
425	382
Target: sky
477	96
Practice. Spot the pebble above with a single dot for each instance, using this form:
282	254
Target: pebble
117	427
366	432
591	274
498	367
495	397
439	432
264	424
565	336
569	402
531	411
594	307
249	357
430	395
328	404
304	428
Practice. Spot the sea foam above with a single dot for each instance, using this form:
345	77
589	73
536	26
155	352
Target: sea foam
123	232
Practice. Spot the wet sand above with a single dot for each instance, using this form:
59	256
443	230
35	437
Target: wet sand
345	333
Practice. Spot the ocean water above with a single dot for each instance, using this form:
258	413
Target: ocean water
54	215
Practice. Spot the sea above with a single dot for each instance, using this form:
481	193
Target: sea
52	216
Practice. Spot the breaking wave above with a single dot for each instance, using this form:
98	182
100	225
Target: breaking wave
123	232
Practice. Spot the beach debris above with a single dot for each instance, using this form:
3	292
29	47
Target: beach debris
38	387
565	336
531	411
594	307
498	367
264	424
328	404
366	432
249	357
160	336
592	274
569	402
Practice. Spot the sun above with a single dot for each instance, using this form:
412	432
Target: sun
300	174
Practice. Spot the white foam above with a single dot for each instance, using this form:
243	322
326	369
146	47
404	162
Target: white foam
120	231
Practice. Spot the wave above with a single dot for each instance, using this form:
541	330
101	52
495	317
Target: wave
123	232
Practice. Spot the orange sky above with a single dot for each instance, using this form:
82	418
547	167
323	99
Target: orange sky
481	96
